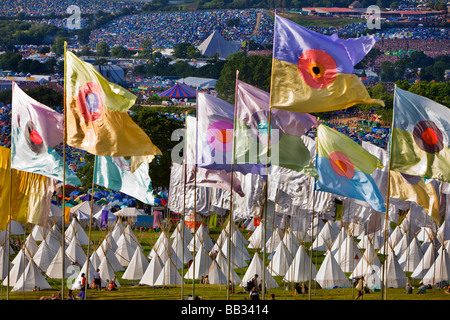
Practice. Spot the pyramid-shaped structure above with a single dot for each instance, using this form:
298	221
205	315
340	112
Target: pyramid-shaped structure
216	44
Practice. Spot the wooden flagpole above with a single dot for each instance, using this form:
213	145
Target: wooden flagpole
184	204
90	227
64	172
231	190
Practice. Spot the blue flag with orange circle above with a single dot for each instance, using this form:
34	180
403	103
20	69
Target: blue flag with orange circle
345	168
313	72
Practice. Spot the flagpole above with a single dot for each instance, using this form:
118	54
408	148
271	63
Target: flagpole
90	226
231	190
184	206
64	171
383	282
9	231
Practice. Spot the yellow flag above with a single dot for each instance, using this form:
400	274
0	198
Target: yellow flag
97	118
414	188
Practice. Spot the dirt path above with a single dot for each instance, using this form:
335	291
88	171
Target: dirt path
258	19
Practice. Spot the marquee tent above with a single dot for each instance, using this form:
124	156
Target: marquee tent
179	91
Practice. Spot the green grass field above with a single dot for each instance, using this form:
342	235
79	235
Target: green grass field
130	291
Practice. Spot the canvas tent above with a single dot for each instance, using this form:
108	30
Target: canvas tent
216	44
179	91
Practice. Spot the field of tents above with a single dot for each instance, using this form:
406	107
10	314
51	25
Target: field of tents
169	264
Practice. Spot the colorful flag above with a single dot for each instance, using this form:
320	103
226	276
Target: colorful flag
36	130
97	118
215	134
313	72
345	168
420	136
24	196
287	148
115	173
413	188
214	178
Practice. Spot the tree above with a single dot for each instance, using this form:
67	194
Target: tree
254	70
120	52
159	128
58	45
102	49
180	50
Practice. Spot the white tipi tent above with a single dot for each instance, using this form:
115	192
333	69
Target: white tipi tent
411	256
169	275
54	270
256	267
425	263
75	252
440	270
152	272
281	260
326	237
137	266
32	279
330	274
394	277
300	268
200	266
107	271
44	255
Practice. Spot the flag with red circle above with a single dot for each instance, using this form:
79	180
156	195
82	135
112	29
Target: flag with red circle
345	168
313	72
420	136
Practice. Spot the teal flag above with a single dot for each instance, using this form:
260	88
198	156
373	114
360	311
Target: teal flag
116	173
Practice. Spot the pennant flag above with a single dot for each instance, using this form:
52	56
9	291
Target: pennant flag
204	176
104	220
287	148
36	130
413	188
345	168
97	118
313	72
115	173
215	134
420	137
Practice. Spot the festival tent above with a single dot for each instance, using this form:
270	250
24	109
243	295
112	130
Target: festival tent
169	275
275	238
330	274
300	268
76	231
348	255
4	261
106	271
326	236
215	274
152	272
162	244
201	238
238	256
411	256
16	272
125	251
179	91
83	211
222	261
316	228
76	285
117	230
20	255
137	266
110	220
368	261
403	244
44	255
338	241
130	214
30	246
440	270
75	252
392	240
179	230
425	263
128	232
200	266
375	240
53	238
291	242
256	267
181	250
16	228
95	260
216	44
256	238
31	279
38	232
394	277
55	267
281	260
107	244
